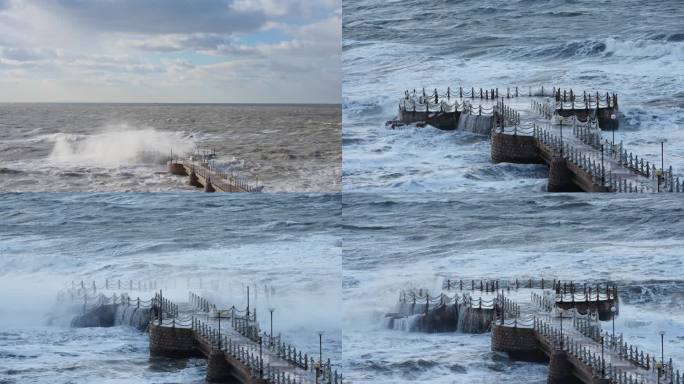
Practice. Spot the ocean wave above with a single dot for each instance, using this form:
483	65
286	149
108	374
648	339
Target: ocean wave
650	291
638	49
10	171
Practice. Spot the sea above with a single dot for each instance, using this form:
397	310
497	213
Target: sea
91	147
632	47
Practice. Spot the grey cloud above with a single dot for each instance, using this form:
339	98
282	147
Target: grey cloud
157	16
27	54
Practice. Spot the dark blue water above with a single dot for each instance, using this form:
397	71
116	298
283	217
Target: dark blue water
634	48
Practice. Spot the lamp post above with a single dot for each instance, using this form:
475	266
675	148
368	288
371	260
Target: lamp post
612	128
561	136
561	328
503	308
659	366
261	358
662	347
320	347
659	173
270	341
319	368
219	316
612	311
603	169
161	306
662	161
603	361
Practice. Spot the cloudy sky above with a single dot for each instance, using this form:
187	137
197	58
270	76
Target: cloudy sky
282	51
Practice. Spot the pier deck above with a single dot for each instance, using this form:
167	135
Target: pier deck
202	175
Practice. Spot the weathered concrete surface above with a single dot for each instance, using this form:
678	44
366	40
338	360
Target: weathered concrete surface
173	342
208	186
519	343
565	176
560	369
194	180
218	369
176	169
440	319
514	149
561	178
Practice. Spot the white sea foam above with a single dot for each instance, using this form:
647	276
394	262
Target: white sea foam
114	146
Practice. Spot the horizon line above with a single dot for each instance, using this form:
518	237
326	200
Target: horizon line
168	102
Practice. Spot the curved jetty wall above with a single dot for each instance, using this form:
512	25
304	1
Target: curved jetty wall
601	307
461	317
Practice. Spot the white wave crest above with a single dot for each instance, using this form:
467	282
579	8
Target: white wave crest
118	145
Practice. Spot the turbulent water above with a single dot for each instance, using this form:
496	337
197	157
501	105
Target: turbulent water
634	48
286	242
396	241
124	147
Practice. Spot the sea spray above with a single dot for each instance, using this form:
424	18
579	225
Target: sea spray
119	145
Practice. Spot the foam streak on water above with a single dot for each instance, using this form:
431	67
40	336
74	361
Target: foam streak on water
398	241
393	46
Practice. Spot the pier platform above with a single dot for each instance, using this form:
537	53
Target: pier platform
558	128
538	320
236	349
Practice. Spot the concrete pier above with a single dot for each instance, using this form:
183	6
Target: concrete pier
176	342
539	320
237	351
201	175
559	128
